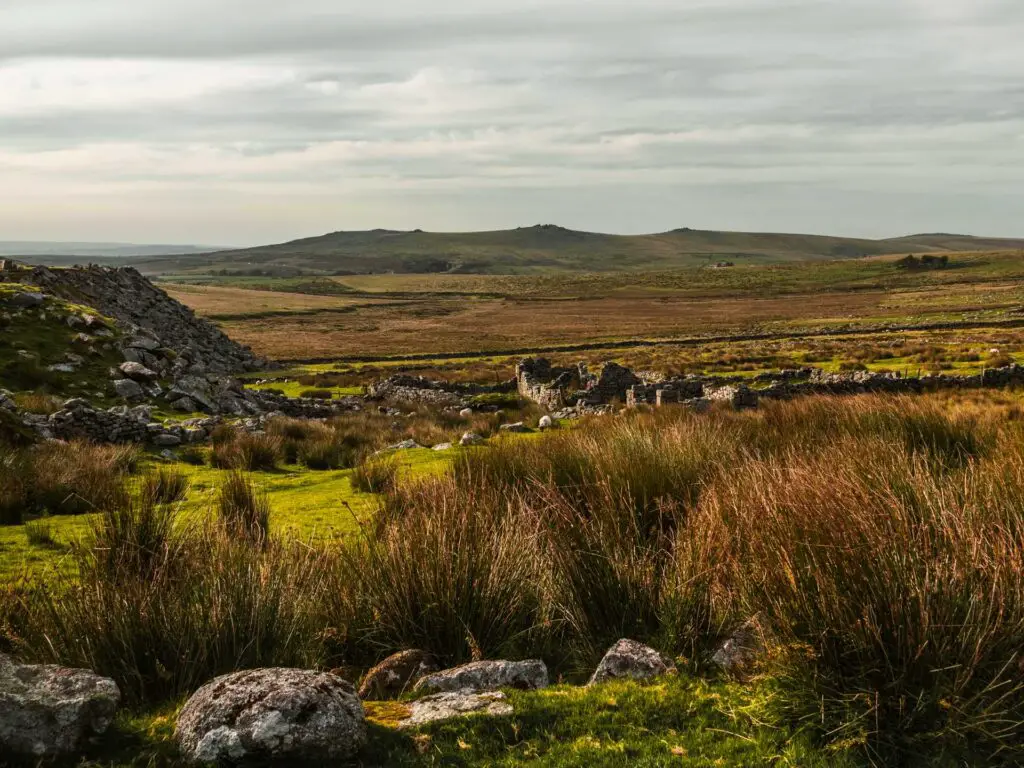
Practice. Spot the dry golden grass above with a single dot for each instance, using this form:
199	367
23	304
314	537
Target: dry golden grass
449	326
211	301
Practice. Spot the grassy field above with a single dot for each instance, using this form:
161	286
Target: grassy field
428	322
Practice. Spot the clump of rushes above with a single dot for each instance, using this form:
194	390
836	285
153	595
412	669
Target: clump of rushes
244	508
244	450
164	486
76	478
376	475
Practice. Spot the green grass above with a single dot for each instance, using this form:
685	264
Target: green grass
306	505
44	334
682	721
292	388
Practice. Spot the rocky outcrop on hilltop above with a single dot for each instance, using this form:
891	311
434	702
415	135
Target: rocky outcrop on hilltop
147	314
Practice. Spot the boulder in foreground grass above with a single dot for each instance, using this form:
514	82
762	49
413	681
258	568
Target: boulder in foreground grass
740	652
48	711
284	716
471	438
446	706
632	660
396	674
487	676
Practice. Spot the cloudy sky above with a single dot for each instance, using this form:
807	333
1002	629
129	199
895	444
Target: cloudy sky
249	121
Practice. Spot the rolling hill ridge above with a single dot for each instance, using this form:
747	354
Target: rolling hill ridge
545	248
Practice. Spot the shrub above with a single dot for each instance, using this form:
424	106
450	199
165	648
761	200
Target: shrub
243	508
35	402
164	486
13	491
131	541
205	605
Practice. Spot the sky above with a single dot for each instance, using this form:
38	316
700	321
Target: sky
231	122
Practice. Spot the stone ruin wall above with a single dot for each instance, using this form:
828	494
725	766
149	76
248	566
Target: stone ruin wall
548	386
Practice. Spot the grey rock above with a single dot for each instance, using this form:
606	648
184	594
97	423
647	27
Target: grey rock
446	706
283	716
144	342
62	368
138	372
166	440
517	428
471	438
184	405
466	413
487	676
396	674
738	654
48	711
443	447
405	445
128	389
546	422
27	300
632	660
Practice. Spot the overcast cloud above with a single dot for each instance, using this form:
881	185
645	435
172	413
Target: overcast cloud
230	122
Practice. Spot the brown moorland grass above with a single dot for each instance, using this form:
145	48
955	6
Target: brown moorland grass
876	541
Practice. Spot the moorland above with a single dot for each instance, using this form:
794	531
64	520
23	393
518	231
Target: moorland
870	542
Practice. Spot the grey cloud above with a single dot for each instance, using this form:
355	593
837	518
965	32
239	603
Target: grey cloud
592	99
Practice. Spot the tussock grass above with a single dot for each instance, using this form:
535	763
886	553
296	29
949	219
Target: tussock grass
252	451
376	475
63	479
244	508
877	541
164	486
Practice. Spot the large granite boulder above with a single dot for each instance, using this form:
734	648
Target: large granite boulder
487	676
396	674
277	716
48	711
631	660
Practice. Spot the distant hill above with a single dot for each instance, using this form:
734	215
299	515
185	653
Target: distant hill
59	253
544	248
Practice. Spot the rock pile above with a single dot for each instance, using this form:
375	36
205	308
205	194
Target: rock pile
138	305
